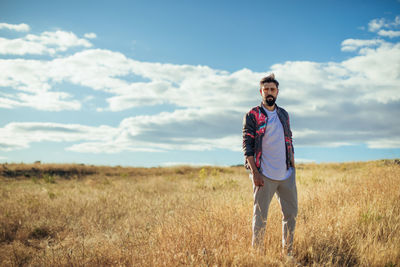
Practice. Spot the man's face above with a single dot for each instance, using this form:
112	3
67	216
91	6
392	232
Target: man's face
269	93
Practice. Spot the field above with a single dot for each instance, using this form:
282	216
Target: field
80	215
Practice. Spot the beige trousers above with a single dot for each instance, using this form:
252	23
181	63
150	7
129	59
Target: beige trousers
287	196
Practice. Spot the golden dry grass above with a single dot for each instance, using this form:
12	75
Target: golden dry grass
349	214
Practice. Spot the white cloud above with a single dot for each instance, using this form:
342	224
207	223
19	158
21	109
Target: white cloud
105	139
32	84
45	43
396	21
376	24
18	135
301	160
385	143
7	102
351	45
90	35
105	70
15	27
389	33
50	101
385	28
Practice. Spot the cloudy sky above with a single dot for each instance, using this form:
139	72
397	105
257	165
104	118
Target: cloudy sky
154	83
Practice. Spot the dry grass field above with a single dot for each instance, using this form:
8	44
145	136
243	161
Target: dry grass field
79	215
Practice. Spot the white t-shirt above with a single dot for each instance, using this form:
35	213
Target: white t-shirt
273	157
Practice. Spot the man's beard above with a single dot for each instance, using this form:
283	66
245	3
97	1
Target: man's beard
270	102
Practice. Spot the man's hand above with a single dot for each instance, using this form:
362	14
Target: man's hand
257	179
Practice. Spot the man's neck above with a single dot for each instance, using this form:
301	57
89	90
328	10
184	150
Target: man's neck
269	108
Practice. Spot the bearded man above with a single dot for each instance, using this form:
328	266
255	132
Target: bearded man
269	155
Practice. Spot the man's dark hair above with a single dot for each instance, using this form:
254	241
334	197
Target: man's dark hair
269	79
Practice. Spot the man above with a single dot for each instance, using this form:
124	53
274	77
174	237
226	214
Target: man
268	149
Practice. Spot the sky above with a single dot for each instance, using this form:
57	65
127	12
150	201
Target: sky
160	83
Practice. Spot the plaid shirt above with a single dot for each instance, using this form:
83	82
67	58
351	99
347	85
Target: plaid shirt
254	126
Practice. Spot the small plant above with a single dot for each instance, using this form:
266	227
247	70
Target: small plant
50	179
316	179
215	172
221	183
179	171
40	233
106	181
370	216
202	178
51	195
203	174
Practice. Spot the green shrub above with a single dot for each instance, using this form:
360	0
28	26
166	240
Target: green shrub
50	179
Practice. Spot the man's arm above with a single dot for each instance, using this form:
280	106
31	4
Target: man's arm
249	132
291	141
257	178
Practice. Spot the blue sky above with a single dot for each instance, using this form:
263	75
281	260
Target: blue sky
155	83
